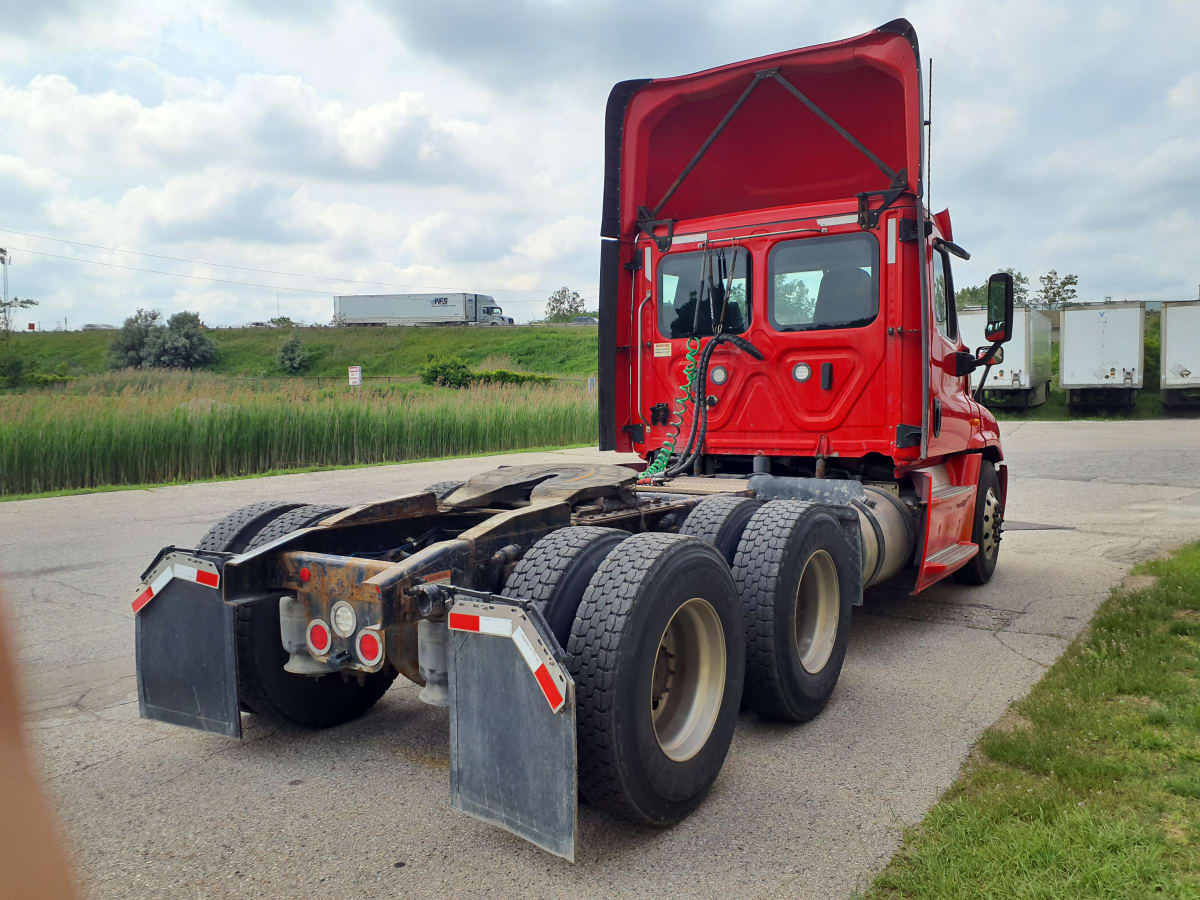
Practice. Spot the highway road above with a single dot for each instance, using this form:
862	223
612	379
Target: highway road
362	810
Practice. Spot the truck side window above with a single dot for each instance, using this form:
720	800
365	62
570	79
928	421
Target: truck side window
943	297
683	281
824	282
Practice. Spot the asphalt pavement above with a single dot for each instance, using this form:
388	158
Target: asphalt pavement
151	810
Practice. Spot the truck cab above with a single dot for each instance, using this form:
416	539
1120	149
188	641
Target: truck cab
780	200
482	310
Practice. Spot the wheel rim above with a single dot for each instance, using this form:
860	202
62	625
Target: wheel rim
991	523
687	682
818	607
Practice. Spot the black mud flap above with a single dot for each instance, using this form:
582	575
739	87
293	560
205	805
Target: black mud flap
186	649
512	722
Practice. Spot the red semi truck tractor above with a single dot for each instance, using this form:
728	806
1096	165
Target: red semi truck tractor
778	342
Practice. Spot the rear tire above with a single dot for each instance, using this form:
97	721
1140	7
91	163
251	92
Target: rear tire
443	489
232	533
989	522
263	685
556	571
795	574
721	521
657	654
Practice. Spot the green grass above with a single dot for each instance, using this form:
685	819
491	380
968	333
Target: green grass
554	350
150	428
298	470
1089	787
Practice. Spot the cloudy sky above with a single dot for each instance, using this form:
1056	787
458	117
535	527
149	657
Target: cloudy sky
454	145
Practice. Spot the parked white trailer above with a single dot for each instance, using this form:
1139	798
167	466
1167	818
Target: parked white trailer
1102	352
1023	378
419	309
1180	370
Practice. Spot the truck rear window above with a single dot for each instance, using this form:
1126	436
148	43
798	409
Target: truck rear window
824	282
685	279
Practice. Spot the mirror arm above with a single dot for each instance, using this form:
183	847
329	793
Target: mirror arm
986	362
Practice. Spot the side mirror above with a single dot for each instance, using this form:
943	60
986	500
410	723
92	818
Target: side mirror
999	308
981	355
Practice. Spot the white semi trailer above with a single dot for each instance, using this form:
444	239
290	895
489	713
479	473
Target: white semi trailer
1180	371
1022	378
419	309
1102	352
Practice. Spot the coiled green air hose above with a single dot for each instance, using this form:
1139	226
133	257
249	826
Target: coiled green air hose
659	464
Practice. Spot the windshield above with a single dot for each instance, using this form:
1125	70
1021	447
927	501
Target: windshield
825	282
717	281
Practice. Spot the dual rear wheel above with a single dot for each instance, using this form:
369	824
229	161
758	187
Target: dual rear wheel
665	640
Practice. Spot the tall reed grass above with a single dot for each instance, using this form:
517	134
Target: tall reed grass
137	428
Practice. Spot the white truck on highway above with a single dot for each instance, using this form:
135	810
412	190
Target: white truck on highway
419	309
1022	378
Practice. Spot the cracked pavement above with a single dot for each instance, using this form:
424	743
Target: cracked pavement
151	810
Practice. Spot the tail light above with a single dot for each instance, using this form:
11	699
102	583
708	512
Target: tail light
318	637
369	646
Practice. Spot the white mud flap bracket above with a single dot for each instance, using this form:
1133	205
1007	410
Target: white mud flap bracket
512	722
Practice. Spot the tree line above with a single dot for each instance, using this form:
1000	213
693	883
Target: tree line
1055	291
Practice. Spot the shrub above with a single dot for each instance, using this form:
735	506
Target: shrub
12	371
292	356
181	345
128	344
451	372
455	373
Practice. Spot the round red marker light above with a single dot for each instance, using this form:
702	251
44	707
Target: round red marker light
369	646
305	574
318	637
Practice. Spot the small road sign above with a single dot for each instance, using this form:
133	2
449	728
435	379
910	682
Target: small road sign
355	376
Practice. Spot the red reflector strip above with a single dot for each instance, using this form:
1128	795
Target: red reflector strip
143	598
179	570
462	622
549	688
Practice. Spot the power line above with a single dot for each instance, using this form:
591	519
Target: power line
209	277
201	262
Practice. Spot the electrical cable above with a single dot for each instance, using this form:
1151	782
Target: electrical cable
659	464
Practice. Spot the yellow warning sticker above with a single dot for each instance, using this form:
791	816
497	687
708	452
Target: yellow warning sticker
662	349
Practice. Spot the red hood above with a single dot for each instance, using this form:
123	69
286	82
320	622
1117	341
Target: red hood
775	150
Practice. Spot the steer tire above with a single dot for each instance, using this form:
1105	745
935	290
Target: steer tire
721	521
657	654
794	572
989	522
443	489
265	688
556	571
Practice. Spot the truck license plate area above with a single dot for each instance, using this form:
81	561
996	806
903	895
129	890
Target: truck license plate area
512	723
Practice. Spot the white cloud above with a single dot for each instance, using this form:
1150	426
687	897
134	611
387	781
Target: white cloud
455	145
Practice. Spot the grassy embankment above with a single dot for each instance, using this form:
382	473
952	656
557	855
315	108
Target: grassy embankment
554	350
1089	787
155	427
